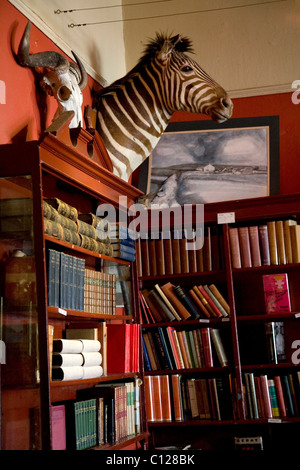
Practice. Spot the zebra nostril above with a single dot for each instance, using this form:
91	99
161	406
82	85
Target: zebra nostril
226	102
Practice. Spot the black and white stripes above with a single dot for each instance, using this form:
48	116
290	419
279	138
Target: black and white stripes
134	111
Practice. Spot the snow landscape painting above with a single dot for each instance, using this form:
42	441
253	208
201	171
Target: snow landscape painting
203	166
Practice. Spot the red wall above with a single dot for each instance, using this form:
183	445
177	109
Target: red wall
20	117
27	109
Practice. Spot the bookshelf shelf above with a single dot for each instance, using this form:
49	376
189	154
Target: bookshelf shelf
126	442
54	312
84	251
191	371
213	274
269	317
252	341
103	378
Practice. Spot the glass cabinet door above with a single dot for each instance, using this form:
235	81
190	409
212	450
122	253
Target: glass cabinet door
20	380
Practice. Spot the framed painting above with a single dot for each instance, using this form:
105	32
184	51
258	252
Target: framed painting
199	162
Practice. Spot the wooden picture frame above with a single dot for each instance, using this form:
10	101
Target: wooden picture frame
199	162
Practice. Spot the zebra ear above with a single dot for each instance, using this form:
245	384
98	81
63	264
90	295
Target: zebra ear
165	51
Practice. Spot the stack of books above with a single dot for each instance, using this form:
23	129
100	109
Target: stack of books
169	302
76	359
123	242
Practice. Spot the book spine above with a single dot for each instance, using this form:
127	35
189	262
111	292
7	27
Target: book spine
244	242
254	246
186	301
272	242
235	248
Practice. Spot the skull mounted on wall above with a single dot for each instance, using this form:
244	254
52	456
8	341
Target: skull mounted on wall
62	79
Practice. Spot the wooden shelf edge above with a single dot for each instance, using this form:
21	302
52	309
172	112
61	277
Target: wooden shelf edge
234	422
55	312
213	273
126	441
200	321
79	249
188	371
269	316
95	381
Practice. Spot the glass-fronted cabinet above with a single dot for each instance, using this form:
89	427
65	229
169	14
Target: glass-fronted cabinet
20	372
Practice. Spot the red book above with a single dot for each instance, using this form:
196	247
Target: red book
167	249
217	312
206	341
266	396
198	303
280	396
177	401
149	398
171	331
118	348
165	398
152	258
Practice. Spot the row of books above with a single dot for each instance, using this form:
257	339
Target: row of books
174	398
99	292
168	253
275	242
104	414
170	349
72	286
272	397
75	359
168	303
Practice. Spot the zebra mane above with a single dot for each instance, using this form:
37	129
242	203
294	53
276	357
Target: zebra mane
181	44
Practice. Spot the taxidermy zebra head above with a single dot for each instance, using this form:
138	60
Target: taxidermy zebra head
134	111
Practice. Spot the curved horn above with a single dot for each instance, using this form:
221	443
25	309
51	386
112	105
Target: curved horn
51	59
83	75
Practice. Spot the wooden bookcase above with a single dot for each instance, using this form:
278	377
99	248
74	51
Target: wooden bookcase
244	337
77	170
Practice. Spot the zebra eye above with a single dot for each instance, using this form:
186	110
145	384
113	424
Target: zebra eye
186	68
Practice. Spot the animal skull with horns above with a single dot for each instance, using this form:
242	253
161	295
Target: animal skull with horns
62	79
